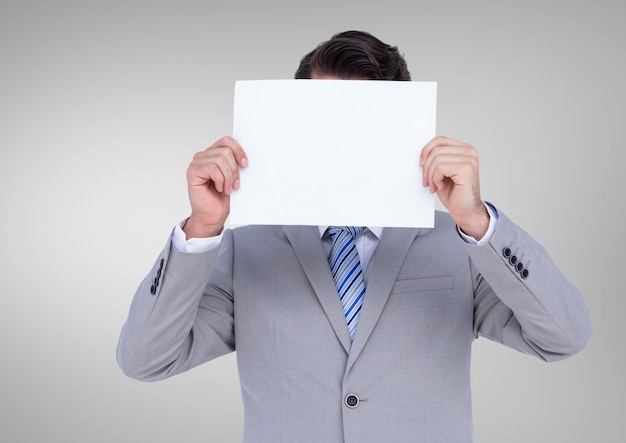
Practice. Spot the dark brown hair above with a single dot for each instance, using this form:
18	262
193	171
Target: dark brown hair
354	55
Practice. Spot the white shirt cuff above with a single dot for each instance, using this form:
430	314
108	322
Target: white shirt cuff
193	245
493	218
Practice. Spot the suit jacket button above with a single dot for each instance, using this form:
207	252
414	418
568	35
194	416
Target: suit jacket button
153	289
524	273
513	259
352	401
506	252
519	267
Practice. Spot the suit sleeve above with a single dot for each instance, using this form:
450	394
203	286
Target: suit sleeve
177	320
522	300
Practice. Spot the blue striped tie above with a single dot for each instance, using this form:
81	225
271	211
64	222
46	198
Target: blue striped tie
345	268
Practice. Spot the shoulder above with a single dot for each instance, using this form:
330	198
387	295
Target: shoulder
256	231
444	227
443	221
272	234
443	238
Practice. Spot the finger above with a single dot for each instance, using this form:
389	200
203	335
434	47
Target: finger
202	173
444	153
207	168
439	140
437	155
237	150
236	156
464	151
216	176
457	168
227	164
448	172
221	168
226	174
430	150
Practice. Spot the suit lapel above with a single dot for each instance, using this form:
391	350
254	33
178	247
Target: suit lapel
383	270
306	242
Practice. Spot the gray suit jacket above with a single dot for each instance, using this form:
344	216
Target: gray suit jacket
269	295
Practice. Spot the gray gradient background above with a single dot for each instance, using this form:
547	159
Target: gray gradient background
102	105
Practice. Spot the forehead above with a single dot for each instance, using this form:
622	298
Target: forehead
316	76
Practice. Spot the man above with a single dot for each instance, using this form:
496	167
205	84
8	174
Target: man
395	368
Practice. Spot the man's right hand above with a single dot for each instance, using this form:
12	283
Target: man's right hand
212	176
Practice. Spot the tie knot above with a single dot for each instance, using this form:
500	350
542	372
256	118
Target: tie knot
353	231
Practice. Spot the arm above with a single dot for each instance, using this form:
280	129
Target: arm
525	302
179	324
530	306
176	321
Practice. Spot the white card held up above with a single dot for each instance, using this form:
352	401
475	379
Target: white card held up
333	152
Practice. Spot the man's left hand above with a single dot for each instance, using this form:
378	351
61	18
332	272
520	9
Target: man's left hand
450	168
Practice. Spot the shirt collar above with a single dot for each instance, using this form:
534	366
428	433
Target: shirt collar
376	230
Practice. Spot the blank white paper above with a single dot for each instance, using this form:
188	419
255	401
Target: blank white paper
333	152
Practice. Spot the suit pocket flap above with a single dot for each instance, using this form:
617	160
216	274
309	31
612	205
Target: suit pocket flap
423	284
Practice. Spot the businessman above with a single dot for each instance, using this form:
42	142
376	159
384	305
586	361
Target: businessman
350	334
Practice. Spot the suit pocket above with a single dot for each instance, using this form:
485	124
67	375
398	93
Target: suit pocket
423	284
